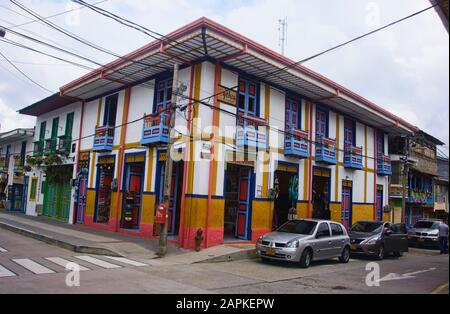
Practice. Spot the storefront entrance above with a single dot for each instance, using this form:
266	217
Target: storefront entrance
286	183
239	190
132	195
105	177
57	193
175	194
321	194
347	204
16	197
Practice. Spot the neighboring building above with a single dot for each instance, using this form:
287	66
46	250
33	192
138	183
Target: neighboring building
441	203
288	133
442	9
420	195
57	125
15	146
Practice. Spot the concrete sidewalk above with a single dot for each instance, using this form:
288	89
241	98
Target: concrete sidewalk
81	239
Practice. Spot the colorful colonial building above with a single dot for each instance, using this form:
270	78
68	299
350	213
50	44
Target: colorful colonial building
255	137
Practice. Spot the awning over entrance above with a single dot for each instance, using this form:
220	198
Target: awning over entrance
207	40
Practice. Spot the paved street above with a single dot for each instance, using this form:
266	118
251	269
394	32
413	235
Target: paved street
30	266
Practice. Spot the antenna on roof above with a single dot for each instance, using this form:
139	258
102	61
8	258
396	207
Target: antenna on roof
283	32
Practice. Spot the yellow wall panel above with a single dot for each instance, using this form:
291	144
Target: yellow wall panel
362	212
302	210
148	208
90	203
262	213
336	212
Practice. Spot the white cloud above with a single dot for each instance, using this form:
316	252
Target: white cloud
10	119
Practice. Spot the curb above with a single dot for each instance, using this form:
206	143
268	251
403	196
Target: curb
59	243
236	256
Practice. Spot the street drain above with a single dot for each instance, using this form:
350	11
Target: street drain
340	288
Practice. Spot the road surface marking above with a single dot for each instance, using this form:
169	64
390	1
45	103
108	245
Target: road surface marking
439	289
34	267
2	250
126	261
4	272
98	262
63	262
393	276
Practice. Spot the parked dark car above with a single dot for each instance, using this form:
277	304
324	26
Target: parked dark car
378	239
425	233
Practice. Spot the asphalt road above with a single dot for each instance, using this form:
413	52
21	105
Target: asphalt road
30	266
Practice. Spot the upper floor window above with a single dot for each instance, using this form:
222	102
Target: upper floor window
293	114
23	152
69	124
349	132
109	119
55	126
321	124
163	95
42	130
248	97
380	143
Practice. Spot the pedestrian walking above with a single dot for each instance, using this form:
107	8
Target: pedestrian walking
443	238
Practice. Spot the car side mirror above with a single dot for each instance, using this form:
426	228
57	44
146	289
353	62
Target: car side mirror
388	233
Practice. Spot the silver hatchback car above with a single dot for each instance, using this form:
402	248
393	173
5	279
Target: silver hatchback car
304	241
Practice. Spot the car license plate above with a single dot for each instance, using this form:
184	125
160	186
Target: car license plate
421	240
354	247
271	252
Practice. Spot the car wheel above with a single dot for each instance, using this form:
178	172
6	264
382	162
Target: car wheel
306	258
345	256
380	255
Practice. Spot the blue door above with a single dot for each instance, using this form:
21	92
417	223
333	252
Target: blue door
347	207
243	213
81	198
173	200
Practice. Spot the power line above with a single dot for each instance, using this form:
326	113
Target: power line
52	16
352	40
81	39
21	72
10	42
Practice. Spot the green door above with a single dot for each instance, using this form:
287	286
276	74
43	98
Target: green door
57	200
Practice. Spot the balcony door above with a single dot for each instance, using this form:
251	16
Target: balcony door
292	116
109	118
321	125
349	133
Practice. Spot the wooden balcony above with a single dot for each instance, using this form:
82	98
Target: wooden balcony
39	148
50	146
326	150
156	130
384	166
251	132
104	139
296	143
353	158
64	145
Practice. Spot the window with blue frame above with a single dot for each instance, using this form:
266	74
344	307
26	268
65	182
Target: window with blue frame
109	119
248	97
321	124
293	114
163	95
349	132
380	143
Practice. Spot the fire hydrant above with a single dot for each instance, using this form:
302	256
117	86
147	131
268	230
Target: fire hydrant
198	240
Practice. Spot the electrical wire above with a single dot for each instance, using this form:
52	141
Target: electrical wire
25	75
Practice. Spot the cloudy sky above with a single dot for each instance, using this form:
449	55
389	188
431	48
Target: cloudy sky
404	69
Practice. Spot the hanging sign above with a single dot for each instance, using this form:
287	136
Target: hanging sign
227	96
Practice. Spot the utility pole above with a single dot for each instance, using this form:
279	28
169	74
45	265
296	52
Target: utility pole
169	164
405	175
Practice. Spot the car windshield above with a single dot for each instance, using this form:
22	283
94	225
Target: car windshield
367	227
299	227
427	225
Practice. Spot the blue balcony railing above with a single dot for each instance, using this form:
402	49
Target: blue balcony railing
384	165
296	143
251	132
353	157
326	150
104	139
156	130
